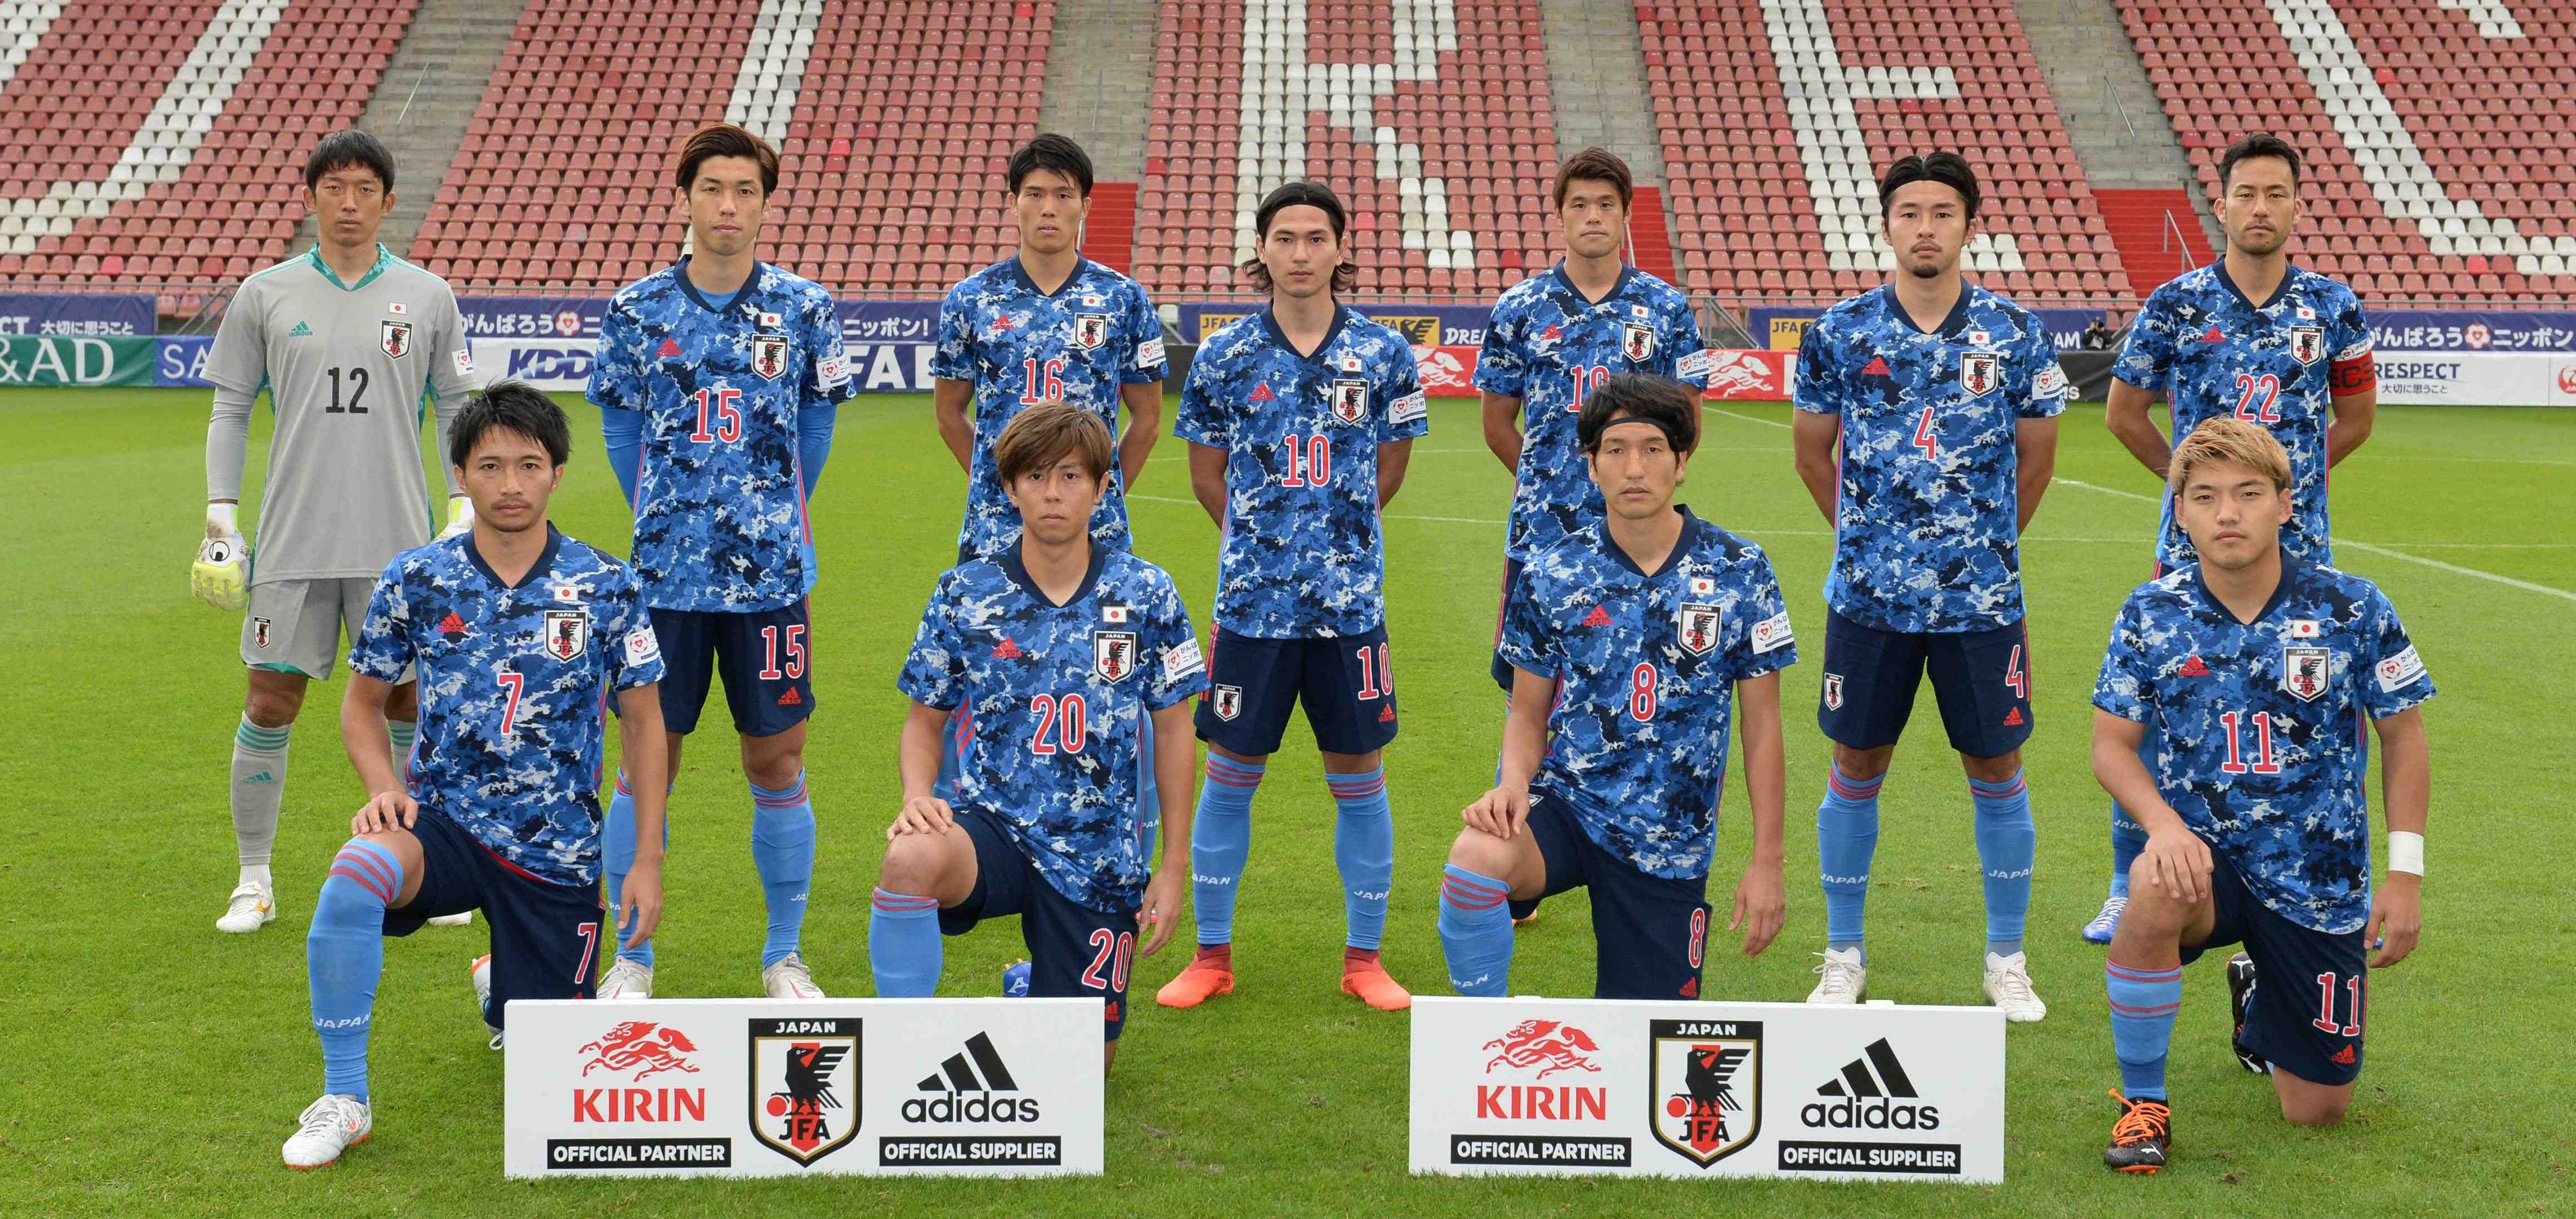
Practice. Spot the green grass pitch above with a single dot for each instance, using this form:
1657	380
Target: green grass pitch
150	1065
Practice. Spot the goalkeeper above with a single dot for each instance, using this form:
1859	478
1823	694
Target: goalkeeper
350	343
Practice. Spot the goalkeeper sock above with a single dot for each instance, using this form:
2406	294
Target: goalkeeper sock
258	787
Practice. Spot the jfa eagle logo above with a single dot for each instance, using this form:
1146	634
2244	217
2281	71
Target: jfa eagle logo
2303	671
1226	700
804	1085
769	356
1090	330
1545	1044
2307	344
1695	626
1979	371
1636	341
1704	1088
634	1046
567	633
396	339
1113	654
1350	400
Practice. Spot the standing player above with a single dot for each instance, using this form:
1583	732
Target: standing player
1064	649
349	341
1631	638
1300	419
2298	364
1944	398
718	382
520	636
2244	678
1552	340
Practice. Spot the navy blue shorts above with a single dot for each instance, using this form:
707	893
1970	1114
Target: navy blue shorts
1502	669
765	657
1074	952
1649	933
2309	987
1253	684
1980	678
545	936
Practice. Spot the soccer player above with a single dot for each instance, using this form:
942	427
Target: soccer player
1063	649
2298	364
2245	677
1632	639
349	341
718	382
1300	419
1553	338
520	637
1943	398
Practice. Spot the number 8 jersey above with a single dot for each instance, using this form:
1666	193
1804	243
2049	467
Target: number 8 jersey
1055	697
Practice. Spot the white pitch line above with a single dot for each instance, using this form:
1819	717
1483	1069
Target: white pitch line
1716	410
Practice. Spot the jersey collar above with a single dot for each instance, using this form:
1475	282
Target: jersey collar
1020	275
680	272
1018	571
1626	273
2292	572
544	565
1691	526
1341	317
1949	325
384	259
2290	271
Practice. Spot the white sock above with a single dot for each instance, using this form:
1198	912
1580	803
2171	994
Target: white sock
256	872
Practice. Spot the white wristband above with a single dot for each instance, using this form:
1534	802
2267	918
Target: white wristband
222	517
2405	852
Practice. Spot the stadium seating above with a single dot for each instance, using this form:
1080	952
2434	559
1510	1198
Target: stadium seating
163	144
565	175
1432	120
1776	121
2442	162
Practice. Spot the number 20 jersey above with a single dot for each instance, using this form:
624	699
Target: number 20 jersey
1055	697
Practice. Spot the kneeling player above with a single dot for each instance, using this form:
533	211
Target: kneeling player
1059	649
2253	670
1630	641
519	635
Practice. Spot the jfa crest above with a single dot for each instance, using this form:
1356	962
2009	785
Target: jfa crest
1704	1086
259	632
1228	701
1696	627
1113	654
1350	400
1833	691
805	1085
1636	341
567	633
1979	371
2307	344
769	355
396	338
1090	330
2304	670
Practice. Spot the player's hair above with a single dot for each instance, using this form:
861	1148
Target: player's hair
1595	164
1037	438
1305	192
1054	152
1669	405
1947	168
2259	144
510	406
727	140
2226	438
348	148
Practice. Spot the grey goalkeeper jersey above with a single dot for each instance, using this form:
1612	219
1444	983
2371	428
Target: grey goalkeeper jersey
350	369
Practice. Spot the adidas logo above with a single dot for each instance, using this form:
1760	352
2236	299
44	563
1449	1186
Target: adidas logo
1552	332
1598	617
1690	989
956	1092
1263	393
1006	650
2194	668
670	348
1877	368
2012	718
1873	1093
451	624
301	331
261	777
1386	715
2213	336
791	698
2342	1057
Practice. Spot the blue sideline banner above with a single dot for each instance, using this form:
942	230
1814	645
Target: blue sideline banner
77	314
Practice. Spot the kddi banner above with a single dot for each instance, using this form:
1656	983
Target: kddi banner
1707	1089
761	1087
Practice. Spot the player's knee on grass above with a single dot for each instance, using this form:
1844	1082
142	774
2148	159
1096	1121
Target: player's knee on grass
2310	1104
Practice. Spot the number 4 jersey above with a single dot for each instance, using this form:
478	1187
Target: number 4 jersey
2255	731
1055	698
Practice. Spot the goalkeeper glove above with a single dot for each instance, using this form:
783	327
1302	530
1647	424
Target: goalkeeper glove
460	517
221	575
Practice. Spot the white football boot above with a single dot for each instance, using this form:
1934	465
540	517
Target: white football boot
1844	980
2107	922
2008	988
788	979
329	1126
453	920
627	980
251	907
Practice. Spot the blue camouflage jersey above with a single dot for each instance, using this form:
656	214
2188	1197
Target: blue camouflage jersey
1020	346
1646	666
1925	537
1548	346
2212	352
1056	697
2255	732
515	682
1303	556
719	500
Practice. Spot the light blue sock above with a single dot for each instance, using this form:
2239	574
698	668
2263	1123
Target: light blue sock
1364	850
344	958
1476	932
782	848
1846	839
1220	841
2007	849
617	858
903	945
2128	841
2143	1003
